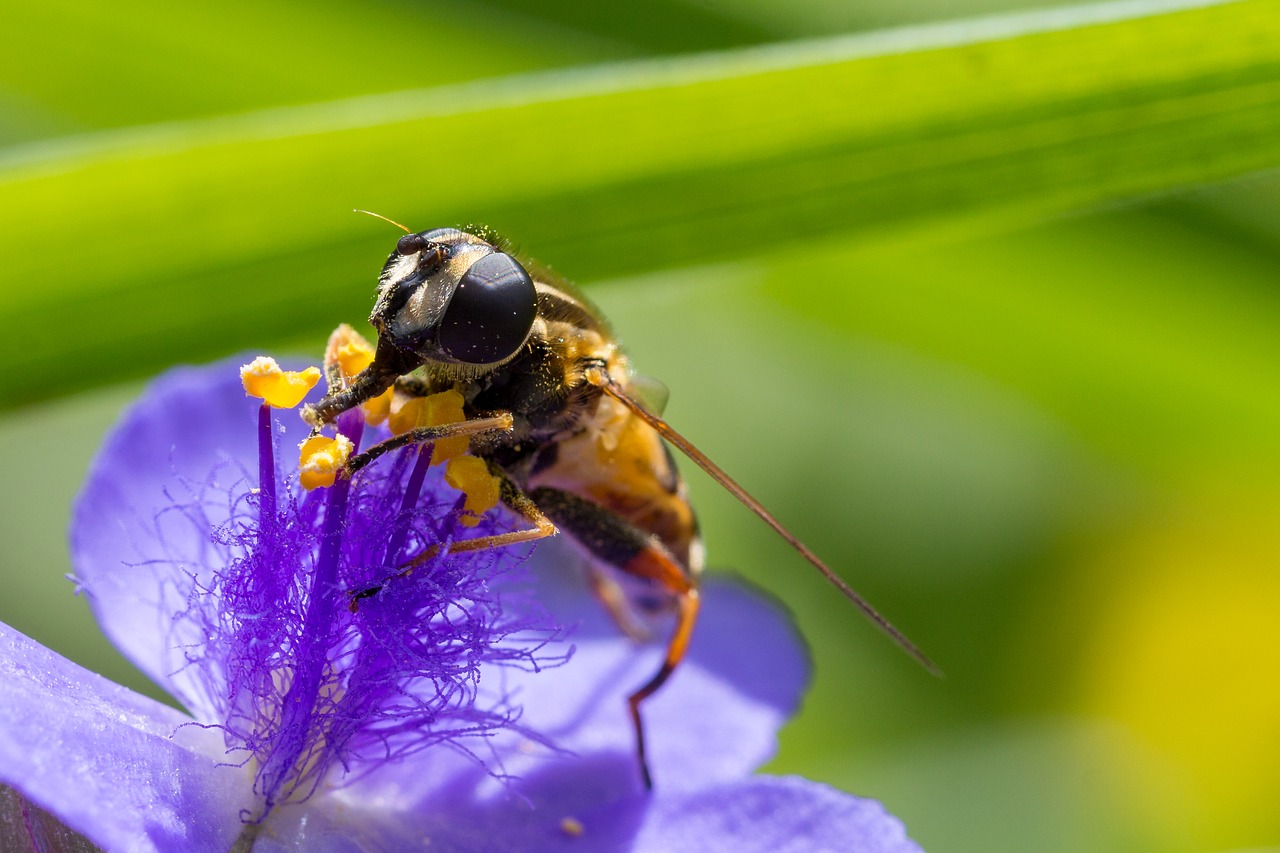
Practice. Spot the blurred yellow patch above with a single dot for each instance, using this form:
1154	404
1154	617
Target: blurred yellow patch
350	350
352	353
1186	656
377	409
321	458
471	476
281	389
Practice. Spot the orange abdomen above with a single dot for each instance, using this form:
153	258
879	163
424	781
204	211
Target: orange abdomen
619	463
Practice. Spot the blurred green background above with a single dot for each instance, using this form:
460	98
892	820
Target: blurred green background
986	311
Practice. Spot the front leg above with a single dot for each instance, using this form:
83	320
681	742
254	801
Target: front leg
388	365
501	422
368	384
515	499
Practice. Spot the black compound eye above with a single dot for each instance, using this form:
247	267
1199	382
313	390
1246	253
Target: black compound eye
410	243
491	312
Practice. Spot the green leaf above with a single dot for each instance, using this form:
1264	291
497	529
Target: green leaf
72	65
127	251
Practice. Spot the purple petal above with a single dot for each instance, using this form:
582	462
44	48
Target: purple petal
130	547
715	721
776	814
328	825
113	765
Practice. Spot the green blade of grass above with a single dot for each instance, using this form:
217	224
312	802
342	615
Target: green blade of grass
126	252
72	65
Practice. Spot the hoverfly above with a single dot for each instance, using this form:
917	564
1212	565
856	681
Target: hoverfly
553	409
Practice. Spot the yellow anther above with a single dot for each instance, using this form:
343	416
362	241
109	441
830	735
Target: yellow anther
434	410
354	355
471	476
351	353
377	409
349	350
446	408
406	414
321	458
282	389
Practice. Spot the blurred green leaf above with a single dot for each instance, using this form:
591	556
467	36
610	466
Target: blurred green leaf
127	251
70	65
1055	786
658	26
1154	341
816	17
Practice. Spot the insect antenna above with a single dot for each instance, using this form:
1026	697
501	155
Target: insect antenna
598	377
384	219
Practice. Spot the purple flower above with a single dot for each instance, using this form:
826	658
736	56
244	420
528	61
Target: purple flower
446	711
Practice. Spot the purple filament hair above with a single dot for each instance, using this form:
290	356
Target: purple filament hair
306	681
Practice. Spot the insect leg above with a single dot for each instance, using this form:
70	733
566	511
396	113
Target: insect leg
367	384
686	617
616	542
513	497
614	600
497	423
388	365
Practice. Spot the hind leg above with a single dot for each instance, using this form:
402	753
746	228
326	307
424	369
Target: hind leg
617	543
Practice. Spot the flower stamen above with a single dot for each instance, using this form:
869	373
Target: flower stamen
282	389
321	459
266	466
471	476
349	353
432	410
412	489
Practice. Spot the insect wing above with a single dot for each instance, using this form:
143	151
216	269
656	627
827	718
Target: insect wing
611	387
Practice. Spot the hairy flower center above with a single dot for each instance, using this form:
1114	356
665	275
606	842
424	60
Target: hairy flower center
314	678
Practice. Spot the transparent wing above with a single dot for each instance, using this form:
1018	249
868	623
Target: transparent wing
652	393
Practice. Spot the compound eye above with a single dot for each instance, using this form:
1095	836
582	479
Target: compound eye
411	243
491	312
